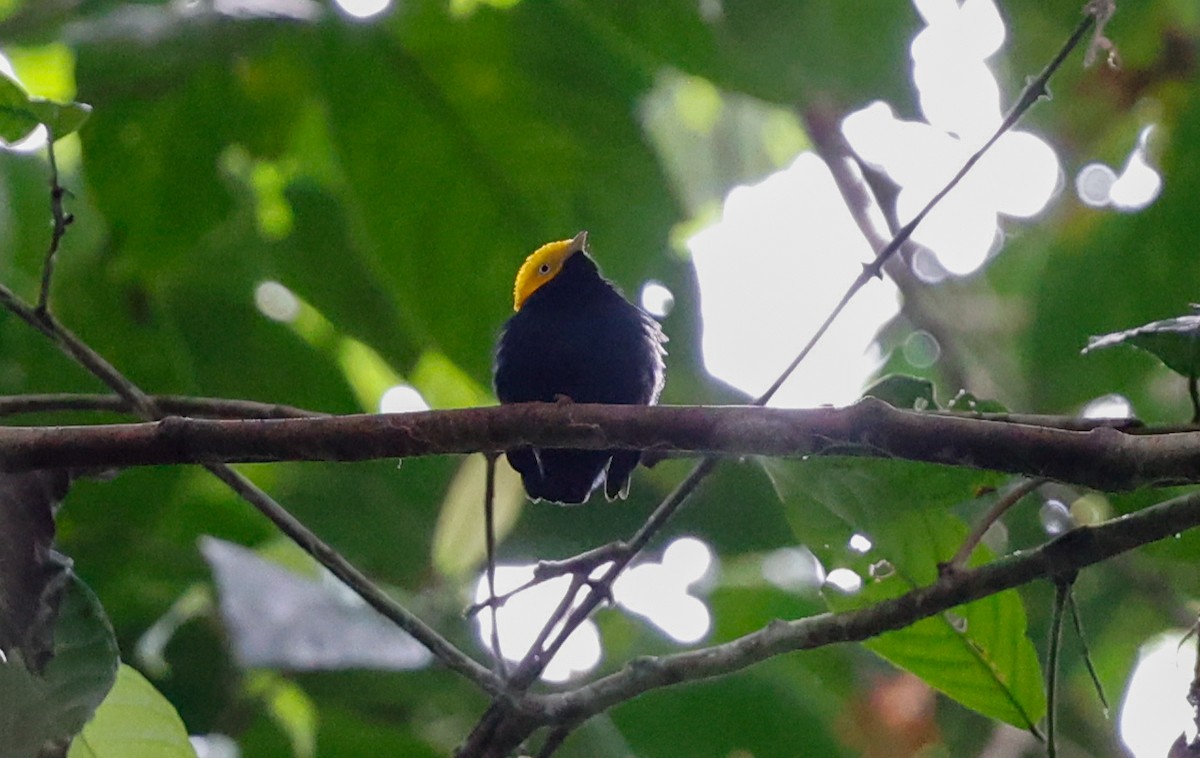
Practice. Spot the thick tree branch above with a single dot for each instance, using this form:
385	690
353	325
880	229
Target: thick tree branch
1103	458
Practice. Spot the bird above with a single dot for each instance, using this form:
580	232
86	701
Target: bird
573	337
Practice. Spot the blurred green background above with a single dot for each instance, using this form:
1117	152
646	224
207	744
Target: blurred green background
393	172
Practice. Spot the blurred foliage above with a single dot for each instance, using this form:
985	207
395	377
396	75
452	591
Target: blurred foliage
393	173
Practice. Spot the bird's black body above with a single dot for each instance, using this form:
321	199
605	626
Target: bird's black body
576	337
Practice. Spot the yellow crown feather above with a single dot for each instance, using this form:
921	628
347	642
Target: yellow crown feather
542	265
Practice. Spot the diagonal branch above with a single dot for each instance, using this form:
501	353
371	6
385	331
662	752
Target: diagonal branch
1072	551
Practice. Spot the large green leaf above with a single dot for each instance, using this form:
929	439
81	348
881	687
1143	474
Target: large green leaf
979	653
20	114
16	122
134	721
1174	341
39	709
778	50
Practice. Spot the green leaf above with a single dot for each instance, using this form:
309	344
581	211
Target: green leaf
776	50
1174	341
965	402
60	118
828	498
34	710
16	120
20	114
1061	303
355	300
979	653
902	391
134	721
290	708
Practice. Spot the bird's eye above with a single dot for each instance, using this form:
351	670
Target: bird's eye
544	268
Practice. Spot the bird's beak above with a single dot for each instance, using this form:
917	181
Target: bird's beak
580	241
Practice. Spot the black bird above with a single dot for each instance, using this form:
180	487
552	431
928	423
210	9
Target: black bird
575	337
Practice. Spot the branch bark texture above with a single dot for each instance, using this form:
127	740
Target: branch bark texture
1102	457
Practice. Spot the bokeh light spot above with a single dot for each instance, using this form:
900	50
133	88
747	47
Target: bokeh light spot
402	398
1155	710
1109	406
363	9
844	580
522	617
657	300
276	302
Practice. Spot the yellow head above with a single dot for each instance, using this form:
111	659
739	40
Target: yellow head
543	265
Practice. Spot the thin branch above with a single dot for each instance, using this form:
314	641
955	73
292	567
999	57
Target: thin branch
1087	653
62	220
1062	592
822	127
173	405
1034	91
445	651
1103	458
555	740
581	565
998	509
489	527
600	592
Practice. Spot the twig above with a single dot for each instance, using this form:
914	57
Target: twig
1193	696
1086	652
554	741
490	737
1062	591
830	144
998	509
602	588
581	565
1034	91
174	405
489	520
445	651
62	220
